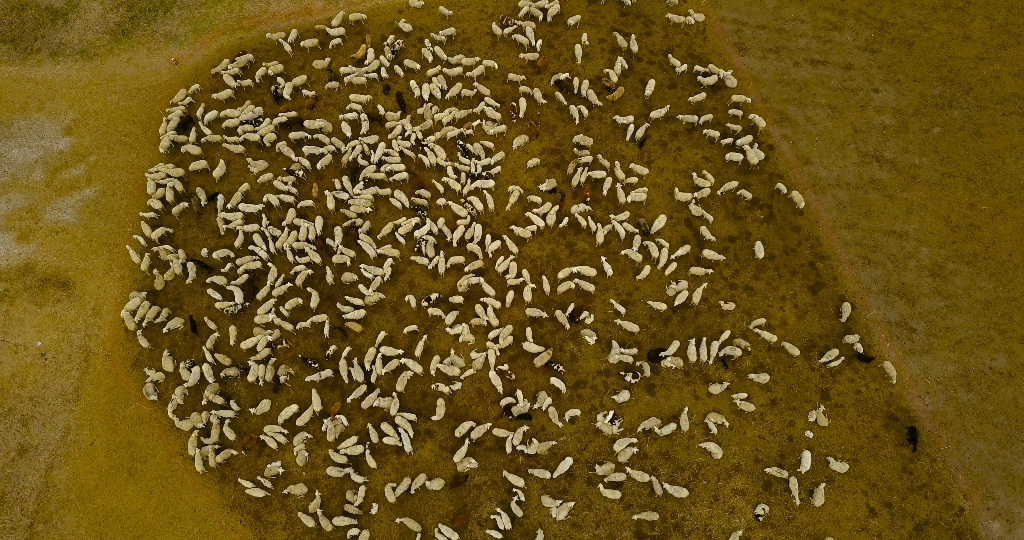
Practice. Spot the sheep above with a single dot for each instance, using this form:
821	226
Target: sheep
739	98
754	156
445	12
357	17
707	81
844	311
623	44
743	141
310	43
286	46
573	21
734	157
659	113
219	171
758	121
351	200
640	131
675	19
797	198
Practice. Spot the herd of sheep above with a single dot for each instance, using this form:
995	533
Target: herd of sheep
273	230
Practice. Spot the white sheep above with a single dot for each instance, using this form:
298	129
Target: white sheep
707	81
659	113
649	89
697	98
621	40
797	198
219	171
758	121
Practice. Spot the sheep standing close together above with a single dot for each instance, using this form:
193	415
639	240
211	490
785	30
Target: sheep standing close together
308	236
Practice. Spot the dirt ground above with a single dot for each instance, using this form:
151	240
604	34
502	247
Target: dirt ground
901	122
897	121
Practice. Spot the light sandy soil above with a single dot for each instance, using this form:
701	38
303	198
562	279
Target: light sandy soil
903	146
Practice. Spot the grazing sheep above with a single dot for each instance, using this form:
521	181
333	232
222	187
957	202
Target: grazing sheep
707	81
438	161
